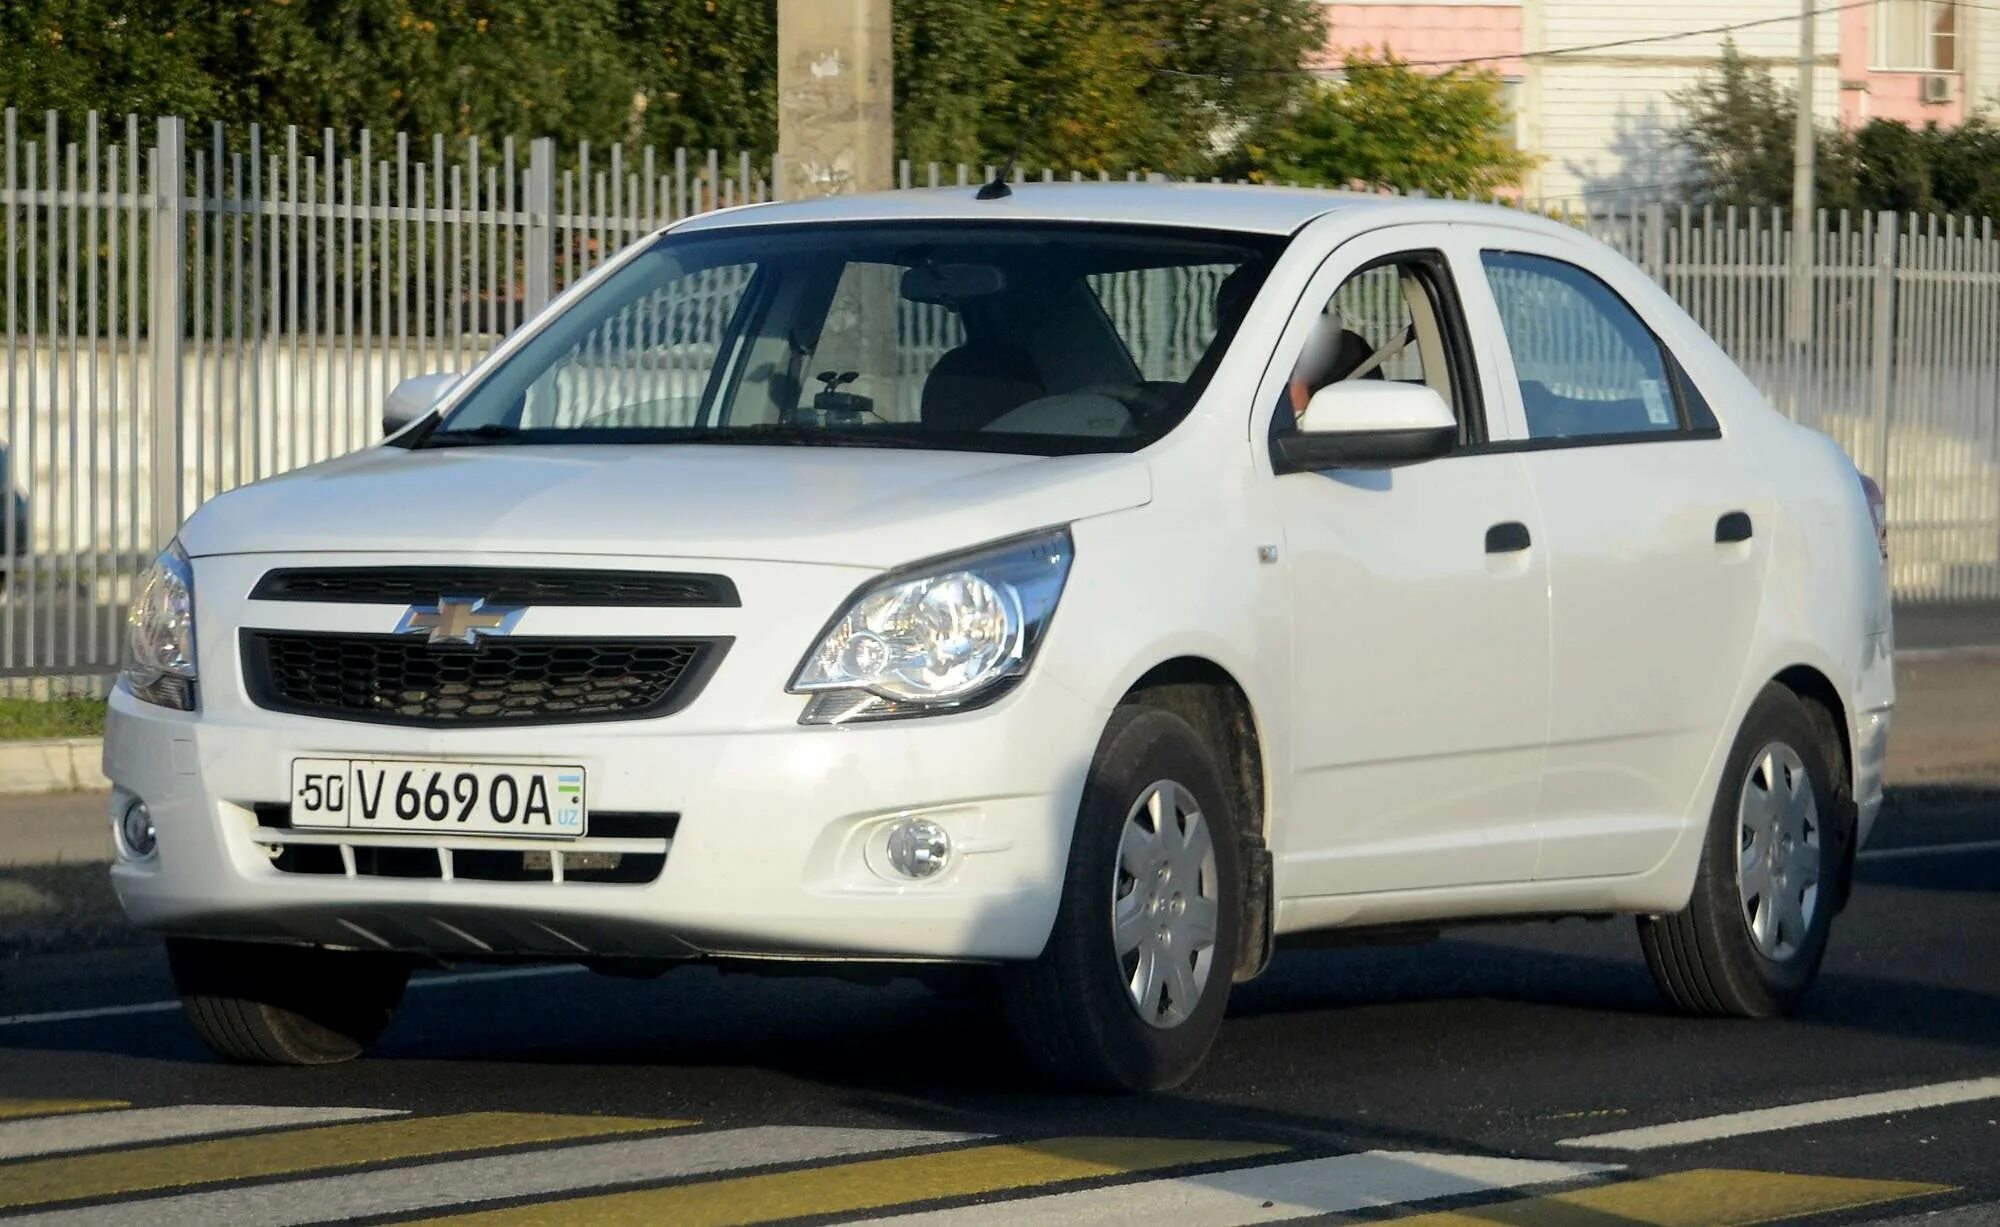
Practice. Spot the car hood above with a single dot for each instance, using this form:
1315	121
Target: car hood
854	506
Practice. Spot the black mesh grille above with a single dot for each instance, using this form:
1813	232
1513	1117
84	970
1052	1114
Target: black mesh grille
398	679
499	585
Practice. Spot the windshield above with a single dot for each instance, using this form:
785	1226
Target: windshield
1040	338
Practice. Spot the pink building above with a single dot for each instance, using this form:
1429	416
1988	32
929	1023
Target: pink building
1908	60
1593	82
1485	33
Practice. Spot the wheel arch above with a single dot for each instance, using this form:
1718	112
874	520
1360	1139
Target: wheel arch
1218	707
1817	691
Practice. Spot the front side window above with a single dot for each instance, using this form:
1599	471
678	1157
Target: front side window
1037	338
1587	365
1388	321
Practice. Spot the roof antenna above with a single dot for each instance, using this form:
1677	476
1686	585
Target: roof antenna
997	189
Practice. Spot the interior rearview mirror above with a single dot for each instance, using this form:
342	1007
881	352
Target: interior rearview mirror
413	398
1366	424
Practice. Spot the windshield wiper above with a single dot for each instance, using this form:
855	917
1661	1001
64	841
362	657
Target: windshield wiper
776	434
783	434
472	436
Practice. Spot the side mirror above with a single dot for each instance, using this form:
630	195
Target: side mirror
413	398
1366	424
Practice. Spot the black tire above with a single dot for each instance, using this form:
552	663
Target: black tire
285	1005
1074	1019
1705	958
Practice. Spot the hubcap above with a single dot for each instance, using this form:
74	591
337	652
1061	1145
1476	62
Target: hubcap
1778	851
1164	904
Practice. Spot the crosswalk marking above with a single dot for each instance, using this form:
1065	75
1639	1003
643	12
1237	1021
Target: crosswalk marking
1790	1116
461	1182
1269	1194
183	1164
21	1139
872	1184
1703	1198
101	1163
14	1109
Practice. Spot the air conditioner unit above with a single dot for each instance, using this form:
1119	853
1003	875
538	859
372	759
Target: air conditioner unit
1937	88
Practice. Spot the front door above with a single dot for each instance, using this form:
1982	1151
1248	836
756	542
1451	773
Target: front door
1420	620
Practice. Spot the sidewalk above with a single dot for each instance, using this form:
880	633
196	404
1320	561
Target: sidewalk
1932	627
66	828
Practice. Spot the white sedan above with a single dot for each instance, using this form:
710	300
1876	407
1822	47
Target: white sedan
1102	583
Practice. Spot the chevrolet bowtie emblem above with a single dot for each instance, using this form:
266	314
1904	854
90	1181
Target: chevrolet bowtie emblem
458	619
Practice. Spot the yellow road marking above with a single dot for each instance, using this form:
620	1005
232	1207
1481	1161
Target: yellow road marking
14	1109
286	1151
871	1184
1704	1198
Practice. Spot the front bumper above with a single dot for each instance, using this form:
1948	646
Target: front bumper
770	855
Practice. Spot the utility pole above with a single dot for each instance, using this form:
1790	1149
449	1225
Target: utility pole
1804	215
1534	41
836	136
836	96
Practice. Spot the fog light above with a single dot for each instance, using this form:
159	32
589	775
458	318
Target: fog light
918	848
135	831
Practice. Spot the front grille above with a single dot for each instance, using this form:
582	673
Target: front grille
398	679
499	585
580	860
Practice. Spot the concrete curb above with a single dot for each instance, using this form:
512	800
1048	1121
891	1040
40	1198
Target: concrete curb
69	764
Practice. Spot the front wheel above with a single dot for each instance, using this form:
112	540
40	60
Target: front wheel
285	1005
1130	991
1750	941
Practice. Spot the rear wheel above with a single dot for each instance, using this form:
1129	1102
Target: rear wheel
1130	991
1750	941
285	1005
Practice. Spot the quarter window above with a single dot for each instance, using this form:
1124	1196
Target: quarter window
1587	364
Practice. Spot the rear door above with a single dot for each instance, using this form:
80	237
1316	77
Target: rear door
1656	531
1419	600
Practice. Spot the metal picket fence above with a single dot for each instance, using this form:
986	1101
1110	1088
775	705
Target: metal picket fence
186	310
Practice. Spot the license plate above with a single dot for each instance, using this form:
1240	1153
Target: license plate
406	796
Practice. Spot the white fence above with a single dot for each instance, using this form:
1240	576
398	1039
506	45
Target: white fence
297	281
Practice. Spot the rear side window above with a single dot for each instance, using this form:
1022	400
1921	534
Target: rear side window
1588	366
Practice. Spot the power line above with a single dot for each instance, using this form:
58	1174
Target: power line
1643	40
1583	48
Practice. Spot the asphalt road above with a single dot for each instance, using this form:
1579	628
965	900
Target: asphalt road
1482	1072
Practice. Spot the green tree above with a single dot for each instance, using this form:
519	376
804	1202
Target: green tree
462	68
1386	125
1093	85
1739	132
1928	169
707	71
1088	85
113	56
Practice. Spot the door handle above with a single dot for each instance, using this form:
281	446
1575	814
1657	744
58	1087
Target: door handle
1732	527
1509	538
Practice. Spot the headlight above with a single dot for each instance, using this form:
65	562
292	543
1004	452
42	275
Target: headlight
160	633
942	636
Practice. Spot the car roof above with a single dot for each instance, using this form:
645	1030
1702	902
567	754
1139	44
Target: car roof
1210	206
